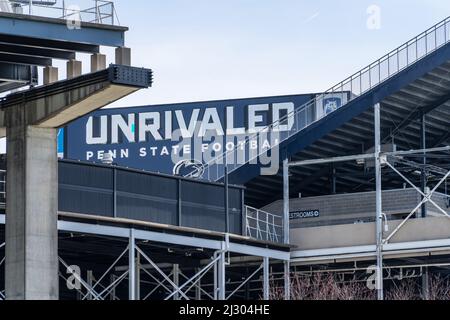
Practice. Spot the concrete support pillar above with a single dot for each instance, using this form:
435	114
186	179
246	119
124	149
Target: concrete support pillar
176	280
32	204
50	75
98	62
74	69
123	56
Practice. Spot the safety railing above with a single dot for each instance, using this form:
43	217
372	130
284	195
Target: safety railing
359	83
263	226
101	12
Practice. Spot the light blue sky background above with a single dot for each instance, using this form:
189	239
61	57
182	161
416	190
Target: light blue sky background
221	49
210	49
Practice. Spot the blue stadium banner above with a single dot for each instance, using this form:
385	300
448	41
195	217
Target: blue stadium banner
148	137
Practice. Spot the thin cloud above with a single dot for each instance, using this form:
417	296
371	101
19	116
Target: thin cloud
312	17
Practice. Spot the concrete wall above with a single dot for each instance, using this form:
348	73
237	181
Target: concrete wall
328	237
356	207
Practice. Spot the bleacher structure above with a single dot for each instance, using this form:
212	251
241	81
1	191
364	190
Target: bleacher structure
361	186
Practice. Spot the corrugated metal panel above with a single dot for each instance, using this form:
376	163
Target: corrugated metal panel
119	192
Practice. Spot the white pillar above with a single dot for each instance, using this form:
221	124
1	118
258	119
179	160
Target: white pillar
31	268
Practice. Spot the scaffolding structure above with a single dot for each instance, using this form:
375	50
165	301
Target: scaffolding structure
384	160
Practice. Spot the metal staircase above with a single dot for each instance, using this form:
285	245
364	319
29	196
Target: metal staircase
359	83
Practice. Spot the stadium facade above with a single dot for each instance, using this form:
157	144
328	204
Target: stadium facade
232	199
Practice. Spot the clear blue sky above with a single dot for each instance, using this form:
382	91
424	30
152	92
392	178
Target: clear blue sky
210	49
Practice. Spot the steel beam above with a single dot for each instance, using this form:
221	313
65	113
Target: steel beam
57	30
36	52
50	44
25	60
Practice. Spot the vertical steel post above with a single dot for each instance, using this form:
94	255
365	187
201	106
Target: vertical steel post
379	207
131	267
112	295
423	146
286	199
333	179
287	280
90	282
198	287
114	192
215	277
179	207
425	284
227	209
221	275
138	276
176	279
266	282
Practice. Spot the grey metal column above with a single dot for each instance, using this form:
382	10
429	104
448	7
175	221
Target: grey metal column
423	146
137	274
132	267
425	284
286	200
286	228
90	282
379	207
198	287
221	276
31	249
226	200
266	282
176	279
216	278
287	280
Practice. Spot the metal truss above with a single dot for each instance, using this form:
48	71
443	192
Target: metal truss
177	285
427	197
91	284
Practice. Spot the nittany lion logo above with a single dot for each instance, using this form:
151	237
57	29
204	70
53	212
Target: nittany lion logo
189	168
331	104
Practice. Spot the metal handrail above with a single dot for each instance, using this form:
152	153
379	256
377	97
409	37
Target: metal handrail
95	14
357	84
262	225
